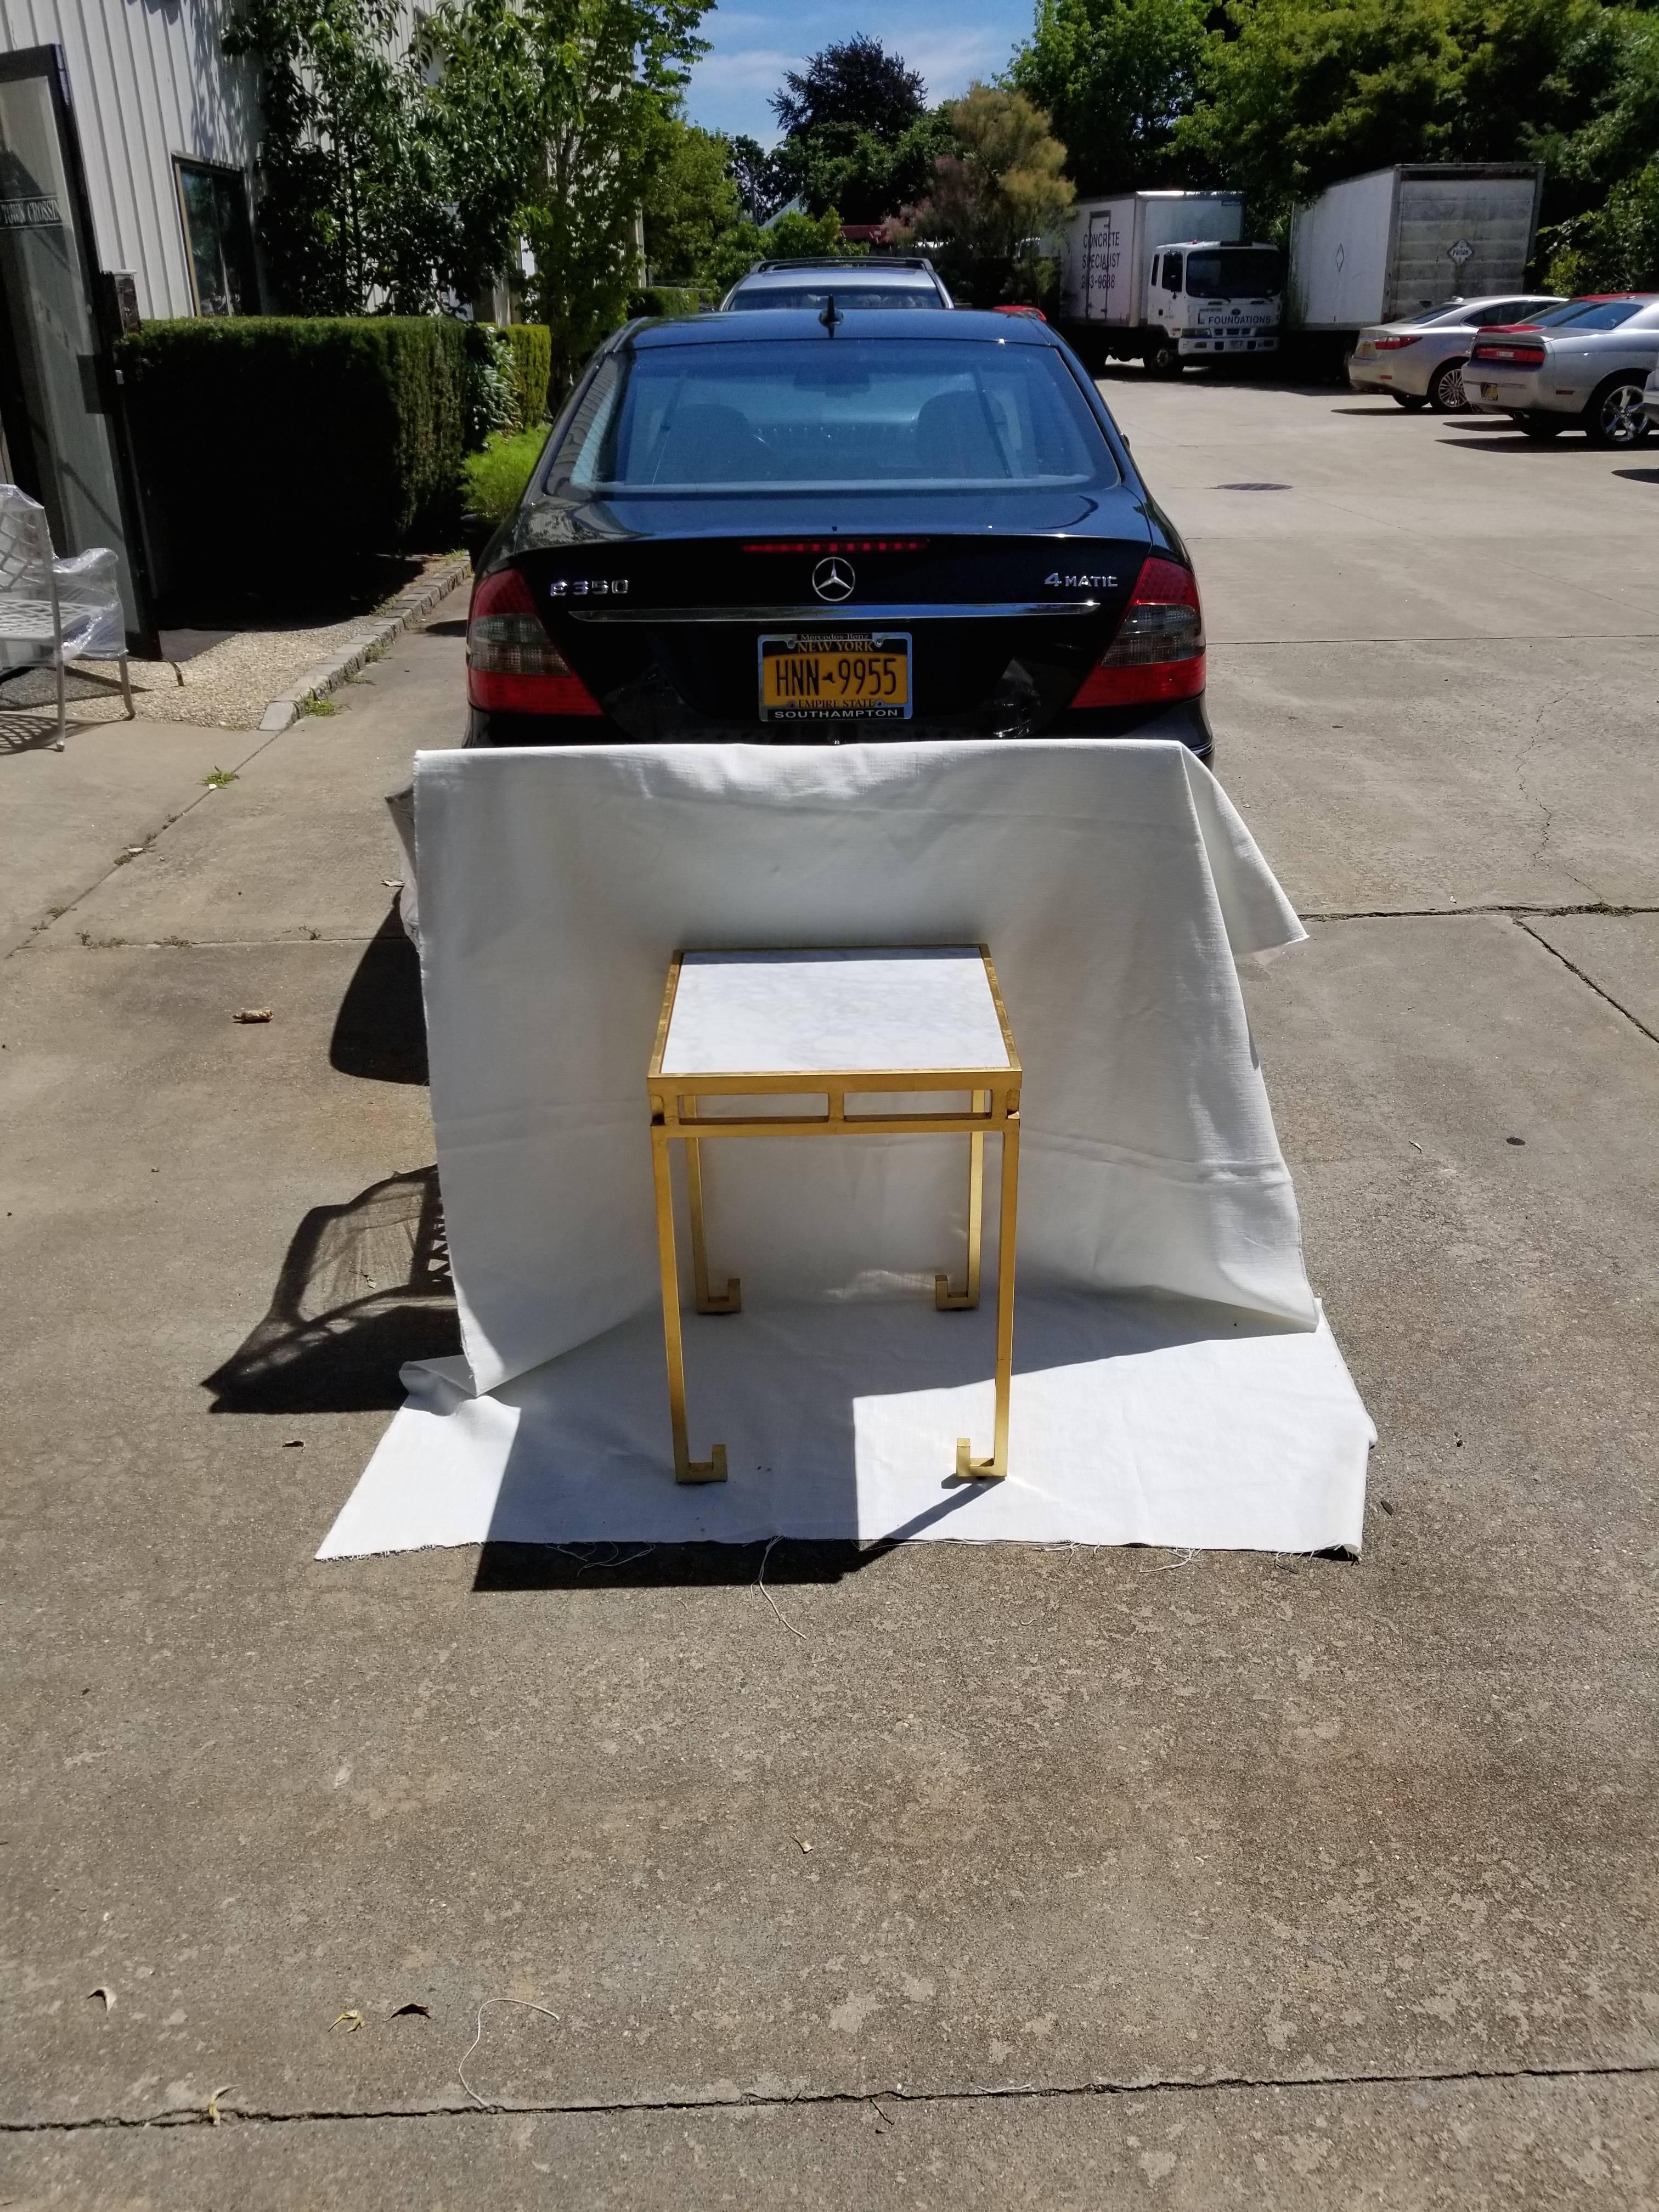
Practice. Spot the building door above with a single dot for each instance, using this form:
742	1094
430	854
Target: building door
57	390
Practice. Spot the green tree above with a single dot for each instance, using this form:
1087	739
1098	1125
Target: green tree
857	132
1115	76
354	209
691	206
995	196
1297	94
755	173
587	92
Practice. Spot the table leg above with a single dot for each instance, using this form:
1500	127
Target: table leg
946	1299
686	1469
708	1302
968	1467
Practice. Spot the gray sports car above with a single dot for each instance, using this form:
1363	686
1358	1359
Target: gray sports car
1584	373
1419	360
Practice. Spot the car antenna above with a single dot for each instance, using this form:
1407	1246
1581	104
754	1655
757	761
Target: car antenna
830	318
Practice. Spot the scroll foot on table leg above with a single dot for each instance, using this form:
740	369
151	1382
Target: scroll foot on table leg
711	1469
969	1469
712	1302
949	1301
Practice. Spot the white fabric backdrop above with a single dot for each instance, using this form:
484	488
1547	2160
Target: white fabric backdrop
1113	883
1115	886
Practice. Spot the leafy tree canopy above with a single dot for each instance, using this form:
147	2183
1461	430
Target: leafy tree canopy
857	132
857	84
1116	76
996	194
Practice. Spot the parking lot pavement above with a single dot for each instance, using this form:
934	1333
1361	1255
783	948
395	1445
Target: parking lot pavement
1050	1840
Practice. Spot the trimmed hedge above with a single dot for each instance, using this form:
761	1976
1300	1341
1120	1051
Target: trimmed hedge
532	345
275	451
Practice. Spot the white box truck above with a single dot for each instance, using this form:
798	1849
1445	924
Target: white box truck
1395	241
1166	278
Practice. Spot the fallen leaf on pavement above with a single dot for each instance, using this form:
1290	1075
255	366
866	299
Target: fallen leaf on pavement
294	1443
251	1014
415	2006
351	2021
213	2102
109	1996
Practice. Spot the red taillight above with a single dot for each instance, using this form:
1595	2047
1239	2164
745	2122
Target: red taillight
512	666
1158	650
1518	356
1392	345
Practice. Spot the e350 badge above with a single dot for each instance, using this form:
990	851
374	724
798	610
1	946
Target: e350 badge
587	587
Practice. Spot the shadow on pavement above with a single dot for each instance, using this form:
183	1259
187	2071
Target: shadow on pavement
668	1566
363	1287
379	1032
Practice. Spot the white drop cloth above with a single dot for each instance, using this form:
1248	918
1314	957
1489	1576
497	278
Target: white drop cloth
1114	885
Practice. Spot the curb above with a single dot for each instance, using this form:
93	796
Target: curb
410	607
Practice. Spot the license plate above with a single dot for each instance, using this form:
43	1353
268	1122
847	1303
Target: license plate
815	677
1489	391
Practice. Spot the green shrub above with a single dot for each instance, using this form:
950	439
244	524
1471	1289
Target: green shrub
664	300
531	348
493	482
490	402
276	451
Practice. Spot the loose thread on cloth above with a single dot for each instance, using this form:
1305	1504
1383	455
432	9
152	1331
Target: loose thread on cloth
760	1583
525	2003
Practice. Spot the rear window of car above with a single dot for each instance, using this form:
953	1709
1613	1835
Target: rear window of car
845	295
1592	315
838	414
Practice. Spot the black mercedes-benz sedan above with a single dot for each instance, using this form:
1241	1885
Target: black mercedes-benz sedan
787	528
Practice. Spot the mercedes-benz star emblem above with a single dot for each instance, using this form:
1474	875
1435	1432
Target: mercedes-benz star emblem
834	579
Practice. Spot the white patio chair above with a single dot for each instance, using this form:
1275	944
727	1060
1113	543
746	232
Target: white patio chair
70	609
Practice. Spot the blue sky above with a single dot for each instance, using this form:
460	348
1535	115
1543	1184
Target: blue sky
754	41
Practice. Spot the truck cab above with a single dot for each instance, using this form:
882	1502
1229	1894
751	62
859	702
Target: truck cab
1208	296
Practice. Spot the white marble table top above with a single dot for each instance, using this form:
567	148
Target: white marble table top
854	1010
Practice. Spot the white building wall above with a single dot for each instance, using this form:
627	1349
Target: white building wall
148	80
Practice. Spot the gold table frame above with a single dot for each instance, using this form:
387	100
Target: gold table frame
993	1110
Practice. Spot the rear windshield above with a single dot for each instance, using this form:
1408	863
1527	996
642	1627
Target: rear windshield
845	295
1590	314
834	413
1250	273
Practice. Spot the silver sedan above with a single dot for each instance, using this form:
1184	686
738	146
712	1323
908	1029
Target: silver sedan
1419	360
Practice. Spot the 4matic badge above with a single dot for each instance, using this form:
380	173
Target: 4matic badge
1056	583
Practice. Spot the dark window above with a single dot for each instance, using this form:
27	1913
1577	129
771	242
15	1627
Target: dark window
833	414
220	237
1172	272
1592	315
850	295
1246	272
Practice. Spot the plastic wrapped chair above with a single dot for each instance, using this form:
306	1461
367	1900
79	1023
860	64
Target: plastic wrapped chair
71	609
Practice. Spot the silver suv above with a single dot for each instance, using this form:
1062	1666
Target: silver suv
883	281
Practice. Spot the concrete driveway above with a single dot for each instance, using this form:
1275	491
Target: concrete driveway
951	1877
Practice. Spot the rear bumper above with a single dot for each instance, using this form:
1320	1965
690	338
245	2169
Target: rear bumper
1185	720
1493	390
1390	374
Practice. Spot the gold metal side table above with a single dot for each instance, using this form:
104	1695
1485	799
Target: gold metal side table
842	1022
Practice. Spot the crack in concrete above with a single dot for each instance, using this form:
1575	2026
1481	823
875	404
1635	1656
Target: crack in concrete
1516	909
1571	966
1543	737
1176	2085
